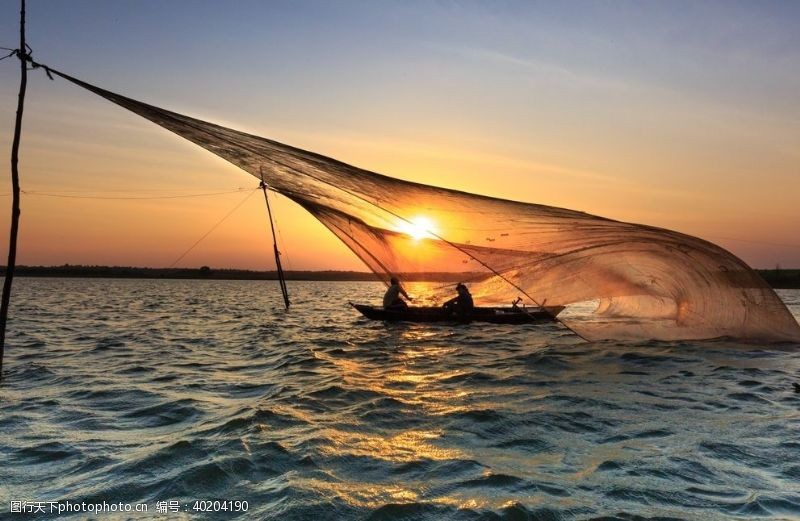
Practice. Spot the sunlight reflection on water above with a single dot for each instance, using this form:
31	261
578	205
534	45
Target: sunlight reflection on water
150	390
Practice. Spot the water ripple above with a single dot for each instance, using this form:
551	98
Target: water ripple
188	390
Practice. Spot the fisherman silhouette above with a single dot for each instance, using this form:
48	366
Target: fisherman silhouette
461	305
392	300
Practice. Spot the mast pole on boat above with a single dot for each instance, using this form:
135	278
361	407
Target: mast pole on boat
278	267
22	54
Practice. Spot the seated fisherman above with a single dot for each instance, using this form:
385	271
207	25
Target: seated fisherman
392	300
461	305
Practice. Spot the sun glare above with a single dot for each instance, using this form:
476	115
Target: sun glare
419	228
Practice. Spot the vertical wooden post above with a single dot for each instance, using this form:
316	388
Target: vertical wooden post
12	239
278	267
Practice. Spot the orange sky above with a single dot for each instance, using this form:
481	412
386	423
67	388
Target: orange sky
701	146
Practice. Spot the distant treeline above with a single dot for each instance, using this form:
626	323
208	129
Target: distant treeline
779	278
786	279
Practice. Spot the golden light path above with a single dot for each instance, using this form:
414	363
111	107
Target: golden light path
414	382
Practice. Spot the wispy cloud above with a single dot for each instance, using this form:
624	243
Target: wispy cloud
539	69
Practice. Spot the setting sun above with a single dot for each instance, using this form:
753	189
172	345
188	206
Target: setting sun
419	227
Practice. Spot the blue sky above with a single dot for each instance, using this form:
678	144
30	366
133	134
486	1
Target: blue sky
680	114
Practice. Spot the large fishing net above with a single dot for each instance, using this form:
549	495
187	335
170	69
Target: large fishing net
633	281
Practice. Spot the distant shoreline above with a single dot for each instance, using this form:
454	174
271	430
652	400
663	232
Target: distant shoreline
777	278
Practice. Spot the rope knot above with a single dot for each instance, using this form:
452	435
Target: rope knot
27	56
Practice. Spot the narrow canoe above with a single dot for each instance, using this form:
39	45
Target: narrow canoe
494	315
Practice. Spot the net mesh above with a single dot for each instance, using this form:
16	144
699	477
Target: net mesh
634	281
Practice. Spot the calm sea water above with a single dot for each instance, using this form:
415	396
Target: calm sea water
143	391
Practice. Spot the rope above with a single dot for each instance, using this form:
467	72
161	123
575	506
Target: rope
284	251
27	56
462	250
198	241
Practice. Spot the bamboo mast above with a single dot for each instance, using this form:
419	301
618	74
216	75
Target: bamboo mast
15	211
278	267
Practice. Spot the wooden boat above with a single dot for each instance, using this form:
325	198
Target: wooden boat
493	315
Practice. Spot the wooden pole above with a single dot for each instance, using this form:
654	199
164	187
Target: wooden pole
278	267
15	211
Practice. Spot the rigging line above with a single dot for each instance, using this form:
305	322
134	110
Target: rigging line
288	166
198	241
390	212
134	191
182	196
449	243
283	242
361	247
257	153
277	254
